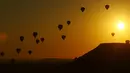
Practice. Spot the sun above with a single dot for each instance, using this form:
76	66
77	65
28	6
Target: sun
121	25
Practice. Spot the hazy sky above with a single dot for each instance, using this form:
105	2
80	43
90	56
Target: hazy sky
87	30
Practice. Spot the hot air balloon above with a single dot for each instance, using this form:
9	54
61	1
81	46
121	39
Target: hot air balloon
63	37
127	41
42	39
29	52
18	50
35	34
107	7
112	33
68	22
37	41
21	38
2	53
82	9
60	26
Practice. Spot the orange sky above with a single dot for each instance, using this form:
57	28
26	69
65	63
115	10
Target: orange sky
86	31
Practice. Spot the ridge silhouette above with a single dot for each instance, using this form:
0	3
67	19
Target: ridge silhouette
105	58
109	52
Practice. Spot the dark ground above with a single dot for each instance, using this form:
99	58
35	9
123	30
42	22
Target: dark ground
105	58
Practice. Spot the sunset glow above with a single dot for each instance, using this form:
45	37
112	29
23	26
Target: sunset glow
121	25
3	36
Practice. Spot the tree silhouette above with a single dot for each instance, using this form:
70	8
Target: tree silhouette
2	54
12	60
75	58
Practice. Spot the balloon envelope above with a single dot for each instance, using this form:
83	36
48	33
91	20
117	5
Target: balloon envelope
60	26
82	9
68	22
35	34
63	37
42	39
21	38
107	7
127	41
112	33
37	41
29	52
18	50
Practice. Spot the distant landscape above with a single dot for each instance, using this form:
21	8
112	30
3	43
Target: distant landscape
45	60
44	65
105	58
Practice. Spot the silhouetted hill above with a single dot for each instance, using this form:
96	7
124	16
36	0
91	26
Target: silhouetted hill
105	58
109	52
